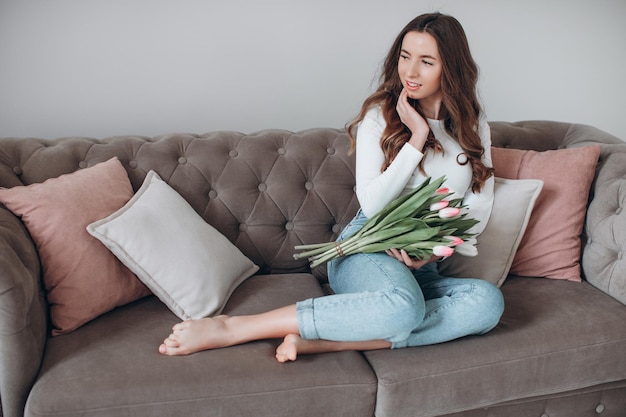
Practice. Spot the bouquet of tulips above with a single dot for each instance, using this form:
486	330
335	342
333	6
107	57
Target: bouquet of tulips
423	223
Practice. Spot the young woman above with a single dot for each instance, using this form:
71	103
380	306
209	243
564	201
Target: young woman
424	120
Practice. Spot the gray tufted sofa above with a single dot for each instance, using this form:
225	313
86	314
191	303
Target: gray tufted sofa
560	349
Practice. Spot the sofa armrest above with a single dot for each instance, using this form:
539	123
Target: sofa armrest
23	317
604	252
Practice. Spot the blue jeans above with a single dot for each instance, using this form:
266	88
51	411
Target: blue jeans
378	297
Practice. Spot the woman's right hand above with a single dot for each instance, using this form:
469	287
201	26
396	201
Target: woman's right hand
412	263
413	120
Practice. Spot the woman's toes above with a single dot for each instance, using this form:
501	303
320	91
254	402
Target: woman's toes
172	341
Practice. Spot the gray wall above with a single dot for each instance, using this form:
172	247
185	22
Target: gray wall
107	67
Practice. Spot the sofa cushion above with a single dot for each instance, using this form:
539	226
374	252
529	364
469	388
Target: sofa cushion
551	245
83	279
542	344
188	264
512	206
237	381
599	400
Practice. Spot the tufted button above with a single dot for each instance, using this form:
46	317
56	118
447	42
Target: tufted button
17	170
243	227
308	185
82	164
281	151
545	415
262	187
133	164
212	194
331	151
336	228
289	226
600	408
233	153
182	160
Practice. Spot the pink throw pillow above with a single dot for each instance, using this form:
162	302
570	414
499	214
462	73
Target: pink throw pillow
551	245
82	278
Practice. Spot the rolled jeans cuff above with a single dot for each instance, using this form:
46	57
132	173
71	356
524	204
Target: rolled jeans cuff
306	320
399	345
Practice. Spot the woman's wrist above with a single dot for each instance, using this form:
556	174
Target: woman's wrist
418	140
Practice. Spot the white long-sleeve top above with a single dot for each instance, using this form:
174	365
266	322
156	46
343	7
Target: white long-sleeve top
376	189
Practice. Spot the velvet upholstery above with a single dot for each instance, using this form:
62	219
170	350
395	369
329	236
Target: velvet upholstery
558	349
604	254
23	315
220	382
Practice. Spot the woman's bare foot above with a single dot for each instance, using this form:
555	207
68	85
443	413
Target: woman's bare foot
192	336
288	350
293	345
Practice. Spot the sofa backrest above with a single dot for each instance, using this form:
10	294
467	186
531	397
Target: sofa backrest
266	191
271	190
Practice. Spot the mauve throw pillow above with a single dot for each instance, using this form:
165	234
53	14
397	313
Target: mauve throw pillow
551	245
82	278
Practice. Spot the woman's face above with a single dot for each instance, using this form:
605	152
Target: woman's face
420	67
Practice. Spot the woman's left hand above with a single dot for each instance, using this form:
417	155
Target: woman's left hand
410	262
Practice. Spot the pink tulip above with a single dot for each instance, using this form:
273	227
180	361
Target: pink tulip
442	251
439	205
449	212
454	240
442	190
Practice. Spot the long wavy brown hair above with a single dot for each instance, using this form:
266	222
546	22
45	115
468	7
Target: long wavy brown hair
460	108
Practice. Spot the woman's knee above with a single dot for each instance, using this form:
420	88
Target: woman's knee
406	310
400	305
369	272
491	304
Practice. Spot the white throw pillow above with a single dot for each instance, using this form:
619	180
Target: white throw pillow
512	206
183	260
